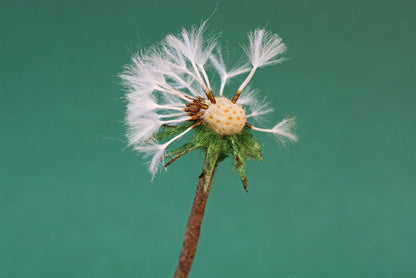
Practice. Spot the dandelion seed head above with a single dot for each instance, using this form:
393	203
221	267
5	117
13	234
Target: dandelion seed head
169	85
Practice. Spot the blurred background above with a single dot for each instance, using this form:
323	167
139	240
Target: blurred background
75	202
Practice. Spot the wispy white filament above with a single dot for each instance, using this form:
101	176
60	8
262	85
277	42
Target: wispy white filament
176	121
173	115
191	46
283	130
255	105
174	70
218	63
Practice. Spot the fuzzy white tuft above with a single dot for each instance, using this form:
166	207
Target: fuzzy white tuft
283	130
156	152
142	128
265	48
190	46
139	78
256	106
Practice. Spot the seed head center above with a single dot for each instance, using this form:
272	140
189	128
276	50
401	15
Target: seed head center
224	117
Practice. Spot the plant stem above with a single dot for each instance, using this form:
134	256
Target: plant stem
193	227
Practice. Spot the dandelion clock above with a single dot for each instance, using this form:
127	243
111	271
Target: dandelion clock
170	94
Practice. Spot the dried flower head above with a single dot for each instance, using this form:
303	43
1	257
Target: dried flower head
170	93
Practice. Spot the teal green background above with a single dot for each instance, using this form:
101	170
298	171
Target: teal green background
74	202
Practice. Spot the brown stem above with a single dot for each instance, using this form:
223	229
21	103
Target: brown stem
193	227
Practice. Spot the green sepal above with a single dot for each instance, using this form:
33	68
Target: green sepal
210	164
182	150
217	147
240	165
178	153
246	145
240	162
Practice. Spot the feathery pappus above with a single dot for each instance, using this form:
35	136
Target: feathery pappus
170	94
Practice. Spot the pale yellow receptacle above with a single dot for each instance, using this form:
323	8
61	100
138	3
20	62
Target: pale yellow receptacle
224	117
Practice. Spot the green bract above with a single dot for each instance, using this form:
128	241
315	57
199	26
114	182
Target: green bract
217	147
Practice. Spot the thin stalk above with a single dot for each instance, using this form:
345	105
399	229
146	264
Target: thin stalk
193	227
